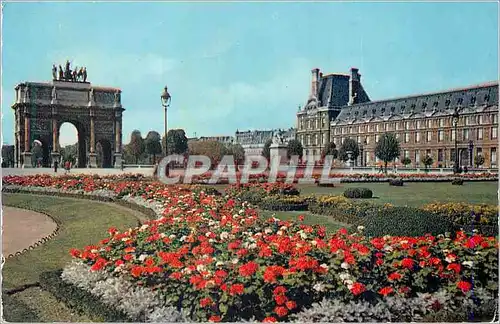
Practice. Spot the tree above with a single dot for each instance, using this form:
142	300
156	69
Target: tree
212	149
266	151
153	144
349	145
7	155
406	160
238	152
177	142
295	148
136	145
387	148
69	153
479	160
427	161
330	149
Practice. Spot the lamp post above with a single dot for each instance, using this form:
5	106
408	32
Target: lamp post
165	102
471	150
455	117
360	145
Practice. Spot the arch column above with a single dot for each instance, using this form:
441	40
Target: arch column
118	138
27	139
55	138
92	154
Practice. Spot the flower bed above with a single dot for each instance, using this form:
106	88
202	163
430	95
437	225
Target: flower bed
284	203
213	258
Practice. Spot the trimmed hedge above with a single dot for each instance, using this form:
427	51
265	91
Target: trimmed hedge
284	203
80	300
15	310
405	221
457	182
396	182
358	193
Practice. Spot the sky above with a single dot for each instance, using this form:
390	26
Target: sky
242	66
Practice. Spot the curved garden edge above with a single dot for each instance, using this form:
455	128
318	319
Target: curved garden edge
43	239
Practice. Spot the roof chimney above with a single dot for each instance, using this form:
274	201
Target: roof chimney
314	82
354	85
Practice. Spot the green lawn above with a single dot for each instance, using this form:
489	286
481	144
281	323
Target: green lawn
83	222
416	194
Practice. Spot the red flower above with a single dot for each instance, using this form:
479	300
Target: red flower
394	276
407	263
119	262
176	275
99	264
386	291
465	286
280	299
221	273
280	290
214	318
342	231
291	304
128	257
75	253
357	288
454	267
269	319
149	262
206	302
281	311
248	269
136	271
236	289
301	218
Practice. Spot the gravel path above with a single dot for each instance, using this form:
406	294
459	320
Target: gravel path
22	228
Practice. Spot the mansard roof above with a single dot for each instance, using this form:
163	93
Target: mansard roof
471	99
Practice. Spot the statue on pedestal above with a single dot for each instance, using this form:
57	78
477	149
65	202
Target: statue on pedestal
61	73
84	73
277	137
67	72
54	72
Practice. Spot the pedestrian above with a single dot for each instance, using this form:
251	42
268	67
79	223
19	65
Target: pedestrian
55	166
122	165
381	170
67	166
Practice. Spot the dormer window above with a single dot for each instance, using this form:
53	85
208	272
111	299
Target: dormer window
447	102
424	104
460	101
403	107
487	98
383	110
435	104
356	113
364	112
374	111
393	109
472	100
413	106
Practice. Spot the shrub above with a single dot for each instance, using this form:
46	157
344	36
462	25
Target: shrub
405	221
284	203
457	182
358	193
342	209
396	182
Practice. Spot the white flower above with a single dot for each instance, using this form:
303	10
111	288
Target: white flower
344	276
234	261
172	236
319	287
279	232
344	265
303	235
314	243
252	246
361	228
267	230
468	263
211	240
388	248
283	228
242	211
143	227
219	263
324	266
183	238
224	235
142	257
200	267
349	283
207	234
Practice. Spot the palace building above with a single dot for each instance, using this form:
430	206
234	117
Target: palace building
338	108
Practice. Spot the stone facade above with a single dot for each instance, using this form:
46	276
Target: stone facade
253	141
41	108
423	123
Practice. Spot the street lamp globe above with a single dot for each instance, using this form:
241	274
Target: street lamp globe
165	97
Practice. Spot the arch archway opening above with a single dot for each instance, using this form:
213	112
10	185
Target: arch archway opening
72	145
104	154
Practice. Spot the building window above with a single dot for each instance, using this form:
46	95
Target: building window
418	124
493	156
359	139
323	122
441	122
407	137
378	127
398	136
350	130
468	120
417	157
479	133
359	129
377	137
440	135
429	123
325	138
494	119
397	126
453	135
466	134
417	137
429	136
480	117
494	132
367	139
406	153
386	126
452	155
407	125
308	139
440	155
367	159
316	139
479	151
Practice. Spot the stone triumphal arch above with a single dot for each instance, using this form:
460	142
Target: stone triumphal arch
96	113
